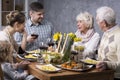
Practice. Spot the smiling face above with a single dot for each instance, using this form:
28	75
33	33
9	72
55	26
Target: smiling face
82	26
37	17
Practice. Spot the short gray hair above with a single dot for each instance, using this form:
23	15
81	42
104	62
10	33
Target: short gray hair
107	14
87	18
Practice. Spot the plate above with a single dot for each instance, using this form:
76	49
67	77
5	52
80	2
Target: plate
33	51
89	61
28	57
79	67
48	68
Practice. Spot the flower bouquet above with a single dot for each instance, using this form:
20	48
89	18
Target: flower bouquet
65	41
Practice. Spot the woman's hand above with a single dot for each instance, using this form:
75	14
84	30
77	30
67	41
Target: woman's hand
101	66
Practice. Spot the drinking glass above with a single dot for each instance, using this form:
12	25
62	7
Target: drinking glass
43	46
40	59
35	36
50	42
77	51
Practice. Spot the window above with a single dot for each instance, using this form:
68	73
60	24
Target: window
11	5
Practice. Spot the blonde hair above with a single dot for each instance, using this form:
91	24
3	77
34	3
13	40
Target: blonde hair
15	16
5	52
87	18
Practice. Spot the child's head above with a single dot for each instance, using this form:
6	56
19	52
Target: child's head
5	52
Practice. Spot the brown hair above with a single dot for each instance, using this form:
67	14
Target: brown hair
15	16
36	6
5	52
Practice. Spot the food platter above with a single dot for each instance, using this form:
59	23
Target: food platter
29	57
89	61
79	67
48	68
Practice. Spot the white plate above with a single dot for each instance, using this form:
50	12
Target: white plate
48	68
34	51
20	56
89	61
36	55
23	58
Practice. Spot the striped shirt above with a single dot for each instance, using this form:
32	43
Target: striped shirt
44	29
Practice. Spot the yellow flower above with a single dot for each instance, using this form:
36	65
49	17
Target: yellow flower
72	35
56	36
76	39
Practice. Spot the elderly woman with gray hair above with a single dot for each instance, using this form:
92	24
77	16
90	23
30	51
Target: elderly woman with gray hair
86	31
109	50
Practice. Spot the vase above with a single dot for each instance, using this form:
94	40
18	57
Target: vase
67	50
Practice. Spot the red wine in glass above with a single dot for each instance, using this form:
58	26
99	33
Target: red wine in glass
50	43
35	36
43	47
74	52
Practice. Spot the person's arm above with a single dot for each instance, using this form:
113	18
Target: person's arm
18	37
92	46
24	40
116	63
12	73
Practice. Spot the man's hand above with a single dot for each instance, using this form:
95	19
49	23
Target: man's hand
30	38
101	66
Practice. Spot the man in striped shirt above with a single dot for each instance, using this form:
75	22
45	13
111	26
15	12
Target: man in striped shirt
36	25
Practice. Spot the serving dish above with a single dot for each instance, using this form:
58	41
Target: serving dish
33	51
74	66
89	61
48	68
29	57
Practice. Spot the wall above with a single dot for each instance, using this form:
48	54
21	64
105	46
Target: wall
62	13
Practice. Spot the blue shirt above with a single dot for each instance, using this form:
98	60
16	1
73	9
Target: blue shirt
44	29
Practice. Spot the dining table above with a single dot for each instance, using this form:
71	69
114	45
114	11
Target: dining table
92	74
63	74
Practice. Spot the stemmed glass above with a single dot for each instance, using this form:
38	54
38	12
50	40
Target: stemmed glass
77	51
50	42
43	46
43	50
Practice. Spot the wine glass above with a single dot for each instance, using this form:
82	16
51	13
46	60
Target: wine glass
77	51
35	36
74	54
43	46
50	42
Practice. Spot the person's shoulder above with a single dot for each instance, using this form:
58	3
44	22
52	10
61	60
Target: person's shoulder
46	22
117	30
97	34
6	64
